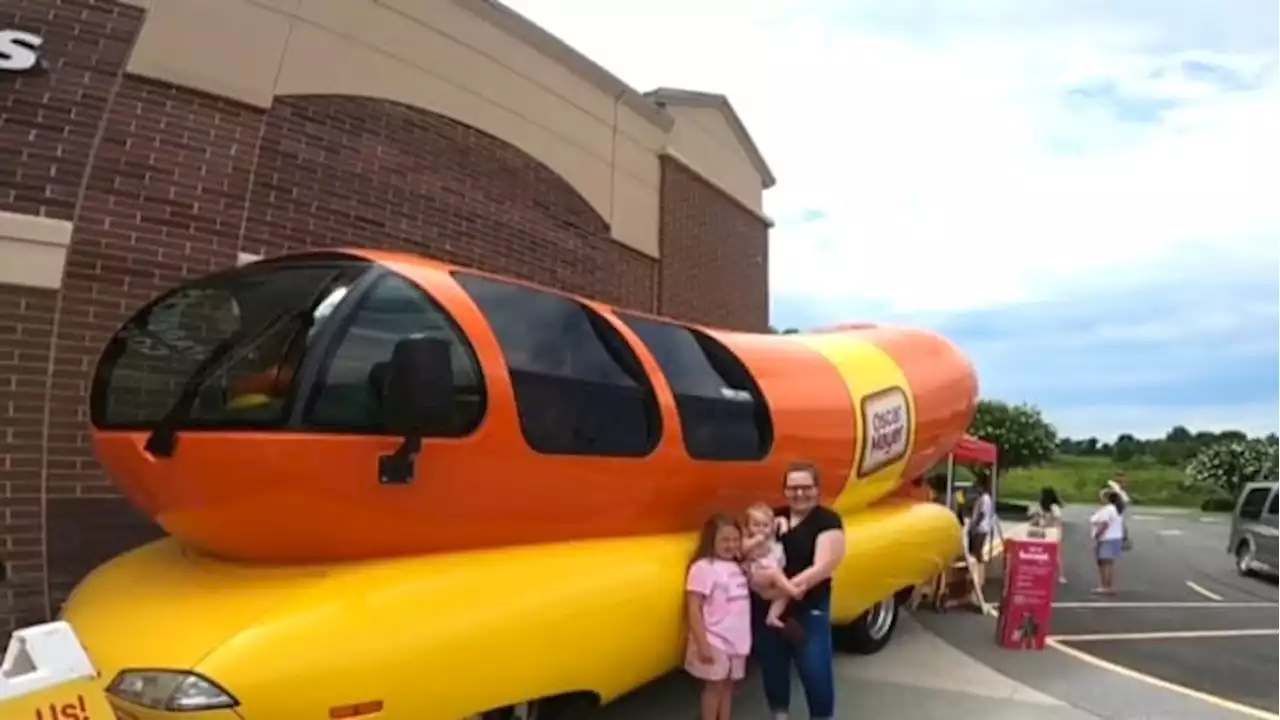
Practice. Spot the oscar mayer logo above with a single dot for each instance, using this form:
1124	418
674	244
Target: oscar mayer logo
1032	553
886	429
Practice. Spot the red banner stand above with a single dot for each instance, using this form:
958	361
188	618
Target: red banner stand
1026	603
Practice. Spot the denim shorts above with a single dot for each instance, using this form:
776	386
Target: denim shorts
1110	549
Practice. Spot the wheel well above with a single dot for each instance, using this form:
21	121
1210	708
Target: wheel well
565	706
1243	542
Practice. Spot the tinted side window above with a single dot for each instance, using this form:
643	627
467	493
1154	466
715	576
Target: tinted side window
722	411
349	395
1273	507
579	387
1254	500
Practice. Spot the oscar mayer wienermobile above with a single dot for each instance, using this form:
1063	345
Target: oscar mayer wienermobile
400	489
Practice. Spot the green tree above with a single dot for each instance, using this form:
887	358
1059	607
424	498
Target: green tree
1126	448
1020	431
1169	454
1178	435
1226	466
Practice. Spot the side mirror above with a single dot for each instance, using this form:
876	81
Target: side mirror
417	394
418	390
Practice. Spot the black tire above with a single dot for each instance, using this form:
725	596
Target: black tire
1244	558
872	631
563	707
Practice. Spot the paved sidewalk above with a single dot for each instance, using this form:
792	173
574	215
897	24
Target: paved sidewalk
917	676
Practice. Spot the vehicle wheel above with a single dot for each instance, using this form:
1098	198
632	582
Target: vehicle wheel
565	707
871	631
1244	558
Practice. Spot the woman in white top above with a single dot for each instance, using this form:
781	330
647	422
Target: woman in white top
1108	537
1046	515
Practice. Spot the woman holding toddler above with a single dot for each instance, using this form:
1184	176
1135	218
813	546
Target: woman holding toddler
766	587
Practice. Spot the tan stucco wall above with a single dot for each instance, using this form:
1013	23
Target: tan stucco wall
703	140
459	58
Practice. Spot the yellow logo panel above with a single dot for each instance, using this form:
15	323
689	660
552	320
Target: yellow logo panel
885	414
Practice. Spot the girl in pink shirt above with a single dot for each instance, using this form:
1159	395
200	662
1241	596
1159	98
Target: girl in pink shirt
719	609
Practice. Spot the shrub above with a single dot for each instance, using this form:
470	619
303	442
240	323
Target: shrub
1226	466
1218	503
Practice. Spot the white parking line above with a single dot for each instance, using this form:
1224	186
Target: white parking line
1203	591
1171	635
1153	605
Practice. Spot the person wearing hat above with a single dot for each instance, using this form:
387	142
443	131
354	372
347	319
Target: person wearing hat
1116	485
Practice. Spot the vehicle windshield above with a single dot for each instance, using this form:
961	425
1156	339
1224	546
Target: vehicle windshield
269	311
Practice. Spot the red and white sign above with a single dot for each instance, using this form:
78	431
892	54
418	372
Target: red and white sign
1026	605
886	429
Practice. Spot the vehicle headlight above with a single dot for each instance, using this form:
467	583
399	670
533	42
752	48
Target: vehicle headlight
169	690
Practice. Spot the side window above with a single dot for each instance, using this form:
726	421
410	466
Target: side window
1273	507
1254	501
722	411
579	387
348	397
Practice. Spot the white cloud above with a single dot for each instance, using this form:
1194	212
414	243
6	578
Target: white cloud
1081	192
941	144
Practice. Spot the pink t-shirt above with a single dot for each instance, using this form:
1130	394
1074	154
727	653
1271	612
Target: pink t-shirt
726	612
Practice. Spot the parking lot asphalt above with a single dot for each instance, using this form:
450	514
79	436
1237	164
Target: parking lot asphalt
1244	666
1126	657
1143	620
918	676
1182	619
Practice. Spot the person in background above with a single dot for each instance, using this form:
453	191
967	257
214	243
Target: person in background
1046	515
981	522
718	605
812	537
1116	485
1107	526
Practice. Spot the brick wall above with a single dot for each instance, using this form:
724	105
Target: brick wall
715	254
49	122
345	170
26	328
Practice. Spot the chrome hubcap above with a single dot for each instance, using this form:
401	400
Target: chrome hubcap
880	618
1244	558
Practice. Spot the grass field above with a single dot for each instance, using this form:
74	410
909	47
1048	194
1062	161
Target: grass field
1078	479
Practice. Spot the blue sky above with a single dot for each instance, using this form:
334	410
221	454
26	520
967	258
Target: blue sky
1081	193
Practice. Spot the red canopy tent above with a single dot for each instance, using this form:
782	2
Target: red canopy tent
970	450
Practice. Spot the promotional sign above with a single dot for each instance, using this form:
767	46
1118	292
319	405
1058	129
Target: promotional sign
19	51
1030	577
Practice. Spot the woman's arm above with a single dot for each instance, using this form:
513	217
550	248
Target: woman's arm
828	552
1099	522
775	577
